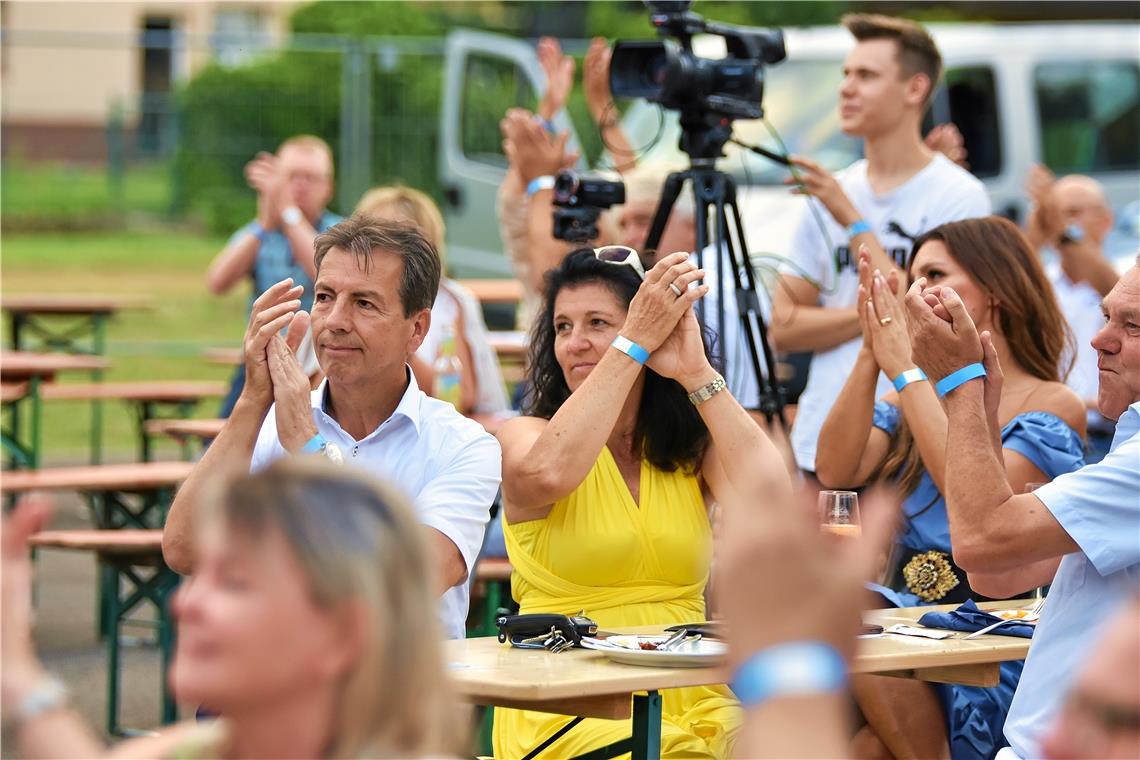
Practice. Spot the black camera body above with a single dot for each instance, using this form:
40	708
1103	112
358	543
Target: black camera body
707	92
579	201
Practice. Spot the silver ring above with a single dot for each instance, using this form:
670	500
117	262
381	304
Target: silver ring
675	289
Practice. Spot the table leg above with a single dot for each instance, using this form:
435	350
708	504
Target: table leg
114	614
646	726
98	347
36	432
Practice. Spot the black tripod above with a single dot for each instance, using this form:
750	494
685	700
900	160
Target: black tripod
713	189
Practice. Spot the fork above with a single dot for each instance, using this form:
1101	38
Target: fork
1031	616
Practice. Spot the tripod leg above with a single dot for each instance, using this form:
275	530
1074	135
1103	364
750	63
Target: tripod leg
673	184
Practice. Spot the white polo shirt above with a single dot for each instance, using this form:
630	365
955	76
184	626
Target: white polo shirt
447	464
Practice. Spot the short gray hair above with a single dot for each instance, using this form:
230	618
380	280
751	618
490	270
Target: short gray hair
361	235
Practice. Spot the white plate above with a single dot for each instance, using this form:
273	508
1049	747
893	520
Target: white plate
704	653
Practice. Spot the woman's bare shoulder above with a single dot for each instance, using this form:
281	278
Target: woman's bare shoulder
1060	400
187	739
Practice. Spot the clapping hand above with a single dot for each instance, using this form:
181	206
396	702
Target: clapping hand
291	394
947	140
942	335
883	318
273	311
596	78
263	174
660	302
559	70
530	149
682	356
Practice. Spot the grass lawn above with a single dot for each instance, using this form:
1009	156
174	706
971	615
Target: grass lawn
60	194
162	343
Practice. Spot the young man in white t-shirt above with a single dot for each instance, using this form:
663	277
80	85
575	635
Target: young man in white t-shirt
899	191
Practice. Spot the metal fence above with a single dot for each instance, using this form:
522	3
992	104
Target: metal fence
374	99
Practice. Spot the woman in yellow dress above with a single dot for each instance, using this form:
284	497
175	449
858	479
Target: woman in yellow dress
606	485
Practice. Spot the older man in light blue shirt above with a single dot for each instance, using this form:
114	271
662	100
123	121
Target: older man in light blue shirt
1091	517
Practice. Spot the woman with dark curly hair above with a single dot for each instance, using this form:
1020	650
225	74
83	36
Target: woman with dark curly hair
902	438
607	483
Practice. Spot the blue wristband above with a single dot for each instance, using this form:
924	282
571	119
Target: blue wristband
630	349
314	444
260	232
546	124
954	379
545	182
792	668
858	228
906	378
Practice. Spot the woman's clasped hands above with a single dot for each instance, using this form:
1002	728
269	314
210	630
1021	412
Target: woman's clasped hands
883	318
661	318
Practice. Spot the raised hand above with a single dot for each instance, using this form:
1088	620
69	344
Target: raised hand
942	335
682	356
596	79
992	383
656	308
559	70
273	311
947	140
886	320
816	181
530	149
263	175
22	668
291	395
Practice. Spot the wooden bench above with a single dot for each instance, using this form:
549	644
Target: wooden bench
133	560
151	400
490	590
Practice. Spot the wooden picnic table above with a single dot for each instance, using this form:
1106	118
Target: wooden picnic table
134	477
495	291
30	370
132	560
74	324
152	400
586	683
509	345
226	355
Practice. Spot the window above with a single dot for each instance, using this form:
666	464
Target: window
239	35
491	86
972	95
1089	115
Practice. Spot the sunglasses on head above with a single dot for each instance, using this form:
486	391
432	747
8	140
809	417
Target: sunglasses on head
621	254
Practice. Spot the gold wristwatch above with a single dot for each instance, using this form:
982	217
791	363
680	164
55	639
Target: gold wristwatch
707	391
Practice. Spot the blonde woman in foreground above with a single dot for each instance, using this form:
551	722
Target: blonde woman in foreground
311	599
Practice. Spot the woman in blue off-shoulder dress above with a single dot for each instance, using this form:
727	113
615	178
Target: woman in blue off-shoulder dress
1036	421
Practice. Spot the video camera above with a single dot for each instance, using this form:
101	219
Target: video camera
579	201
709	93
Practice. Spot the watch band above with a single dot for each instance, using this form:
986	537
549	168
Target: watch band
912	375
260	232
314	445
707	391
292	215
630	349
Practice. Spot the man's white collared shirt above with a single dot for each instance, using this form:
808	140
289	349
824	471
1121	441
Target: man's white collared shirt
447	464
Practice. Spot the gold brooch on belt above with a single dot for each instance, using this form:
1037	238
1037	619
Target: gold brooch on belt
930	576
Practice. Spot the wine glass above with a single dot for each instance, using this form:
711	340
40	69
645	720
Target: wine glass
839	512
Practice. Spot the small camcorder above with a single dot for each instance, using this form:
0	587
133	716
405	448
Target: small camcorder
578	201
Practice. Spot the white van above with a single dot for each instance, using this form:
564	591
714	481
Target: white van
1065	95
